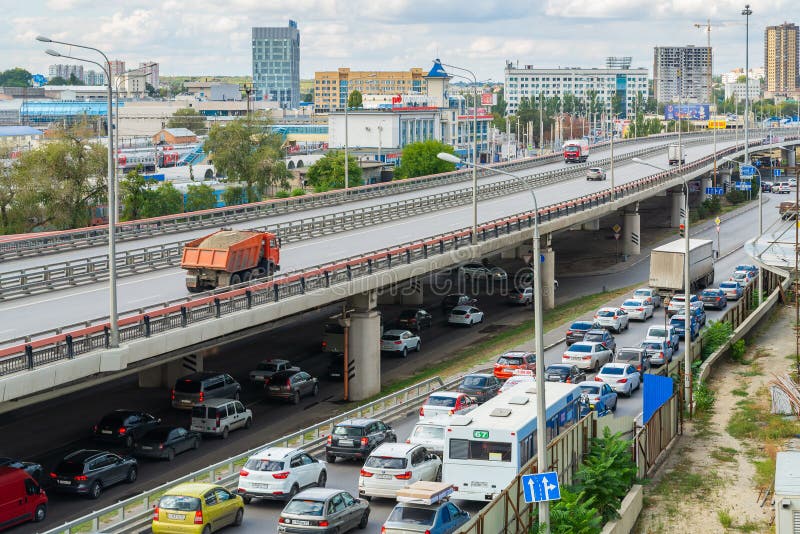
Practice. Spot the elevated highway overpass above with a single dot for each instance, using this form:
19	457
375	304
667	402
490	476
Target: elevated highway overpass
319	270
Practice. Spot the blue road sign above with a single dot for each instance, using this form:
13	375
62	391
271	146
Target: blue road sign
747	170
541	258
776	172
715	190
743	186
541	487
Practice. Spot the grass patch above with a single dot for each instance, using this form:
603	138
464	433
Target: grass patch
725	454
765	471
683	482
725	518
752	421
739	392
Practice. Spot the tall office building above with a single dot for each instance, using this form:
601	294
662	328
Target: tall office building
332	87
682	73
150	68
781	59
276	64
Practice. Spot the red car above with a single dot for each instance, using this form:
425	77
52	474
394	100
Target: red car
511	361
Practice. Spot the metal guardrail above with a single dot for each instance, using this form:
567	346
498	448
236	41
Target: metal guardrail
136	513
51	242
72	340
24	282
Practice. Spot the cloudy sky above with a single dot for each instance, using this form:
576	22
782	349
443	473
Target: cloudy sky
213	37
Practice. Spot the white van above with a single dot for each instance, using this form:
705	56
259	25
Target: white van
220	416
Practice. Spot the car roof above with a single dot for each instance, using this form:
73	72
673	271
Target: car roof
83	454
191	489
618	365
358	421
396	332
274	453
439	419
448	394
393	449
560	366
517	353
286	373
644	289
608	308
214	403
318	494
590	343
597	331
637	349
201	375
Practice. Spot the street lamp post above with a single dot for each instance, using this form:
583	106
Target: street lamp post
113	318
747	12
474	151
687	283
541	432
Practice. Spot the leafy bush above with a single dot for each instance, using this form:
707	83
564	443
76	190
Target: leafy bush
738	349
714	336
736	197
703	398
573	514
712	205
298	192
282	194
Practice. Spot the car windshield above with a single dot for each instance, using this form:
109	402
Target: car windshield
474	381
606	313
349	431
632	303
459	312
577	347
591	389
447	402
649	345
657	332
385	462
266	366
553	370
181	503
580	325
731	285
114	419
509	360
304	507
612	371
452	300
188	386
428	432
678	298
390	337
412	515
263	464
677	321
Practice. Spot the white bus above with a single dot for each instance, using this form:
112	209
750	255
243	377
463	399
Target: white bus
486	448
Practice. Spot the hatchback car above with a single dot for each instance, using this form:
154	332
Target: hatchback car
415	319
622	377
522	296
444	517
430	434
781	187
657	351
456	299
563	372
480	386
446	403
164	442
614	319
639	309
601	335
597	393
279	473
714	298
400	342
198	387
124	427
89	472
195	507
595	173
465	315
635	356
587	355
733	290
647	292
356	438
394	466
510	361
292	386
323	510
577	330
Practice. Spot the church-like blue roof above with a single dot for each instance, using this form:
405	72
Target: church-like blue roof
437	71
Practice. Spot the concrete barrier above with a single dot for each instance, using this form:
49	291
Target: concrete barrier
629	512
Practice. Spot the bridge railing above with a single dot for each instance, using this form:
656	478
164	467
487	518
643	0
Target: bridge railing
70	341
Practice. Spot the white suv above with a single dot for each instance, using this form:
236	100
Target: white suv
393	466
678	302
400	341
279	473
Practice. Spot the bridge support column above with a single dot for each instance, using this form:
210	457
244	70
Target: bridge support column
677	208
790	156
166	374
364	346
705	182
631	231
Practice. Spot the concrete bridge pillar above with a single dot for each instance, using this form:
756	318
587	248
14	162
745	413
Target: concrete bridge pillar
631	231
677	208
705	181
364	346
548	278
790	157
513	253
165	375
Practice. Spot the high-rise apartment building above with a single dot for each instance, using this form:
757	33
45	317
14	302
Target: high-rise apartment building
65	71
781	59
332	87
682	73
150	68
117	68
94	77
276	64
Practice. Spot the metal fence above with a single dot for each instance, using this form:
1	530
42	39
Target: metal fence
653	438
135	513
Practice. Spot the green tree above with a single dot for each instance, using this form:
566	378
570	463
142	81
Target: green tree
164	200
151	91
502	105
188	118
355	100
134	195
57	80
419	159
74	80
233	196
8	190
328	172
200	197
16	77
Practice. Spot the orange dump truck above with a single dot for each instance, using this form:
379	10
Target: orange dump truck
229	257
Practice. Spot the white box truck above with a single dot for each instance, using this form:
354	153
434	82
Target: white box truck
666	266
676	154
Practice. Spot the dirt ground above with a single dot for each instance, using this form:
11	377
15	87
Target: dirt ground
712	481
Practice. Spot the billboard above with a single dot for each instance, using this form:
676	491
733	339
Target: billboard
697	112
717	124
488	99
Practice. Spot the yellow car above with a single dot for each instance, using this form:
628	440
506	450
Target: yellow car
195	508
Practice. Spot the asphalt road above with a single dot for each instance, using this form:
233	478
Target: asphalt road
33	432
56	309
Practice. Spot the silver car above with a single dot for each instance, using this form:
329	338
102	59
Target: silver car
323	510
639	309
484	271
647	292
595	173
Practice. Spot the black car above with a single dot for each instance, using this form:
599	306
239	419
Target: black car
33	469
356	438
291	385
564	372
336	366
166	441
457	299
601	335
89	472
124	427
714	298
479	386
415	319
576	331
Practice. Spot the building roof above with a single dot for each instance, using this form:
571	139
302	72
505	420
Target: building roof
14	131
180	132
437	71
